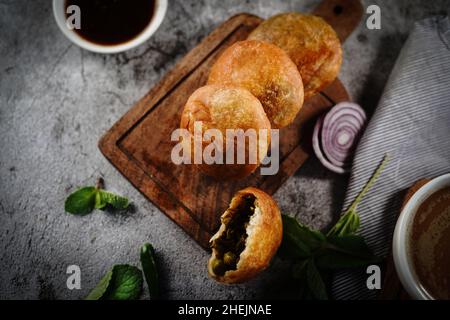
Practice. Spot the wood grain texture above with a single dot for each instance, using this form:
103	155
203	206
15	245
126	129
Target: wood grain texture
139	145
392	288
333	11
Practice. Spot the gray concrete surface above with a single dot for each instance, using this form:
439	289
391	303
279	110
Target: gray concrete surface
56	100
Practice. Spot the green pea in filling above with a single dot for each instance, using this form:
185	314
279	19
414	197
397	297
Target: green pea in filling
231	242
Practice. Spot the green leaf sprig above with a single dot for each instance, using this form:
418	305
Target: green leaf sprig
150	270
315	254
124	282
86	199
349	222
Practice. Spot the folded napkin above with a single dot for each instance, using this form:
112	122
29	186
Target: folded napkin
412	124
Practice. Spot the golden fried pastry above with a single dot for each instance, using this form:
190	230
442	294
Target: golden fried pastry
223	107
248	238
310	42
267	72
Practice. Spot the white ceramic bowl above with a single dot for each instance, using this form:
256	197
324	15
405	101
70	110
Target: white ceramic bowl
158	16
400	245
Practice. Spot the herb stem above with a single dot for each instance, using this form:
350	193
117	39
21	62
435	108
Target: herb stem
350	221
100	184
369	184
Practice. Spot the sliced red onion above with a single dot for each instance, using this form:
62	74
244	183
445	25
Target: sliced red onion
336	135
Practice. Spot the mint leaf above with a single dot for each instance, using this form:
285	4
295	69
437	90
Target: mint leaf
349	222
112	199
150	270
81	201
100	289
315	281
309	286
125	283
299	270
85	200
340	249
100	203
333	260
354	244
122	282
345	252
299	274
299	241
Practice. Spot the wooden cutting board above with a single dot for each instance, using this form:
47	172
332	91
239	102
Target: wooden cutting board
392	288
139	144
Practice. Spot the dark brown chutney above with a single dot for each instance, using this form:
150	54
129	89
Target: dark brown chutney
111	22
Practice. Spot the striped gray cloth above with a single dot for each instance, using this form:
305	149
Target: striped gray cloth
412	124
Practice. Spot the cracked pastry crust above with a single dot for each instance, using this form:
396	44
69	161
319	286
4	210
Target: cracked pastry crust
267	72
264	234
223	107
310	42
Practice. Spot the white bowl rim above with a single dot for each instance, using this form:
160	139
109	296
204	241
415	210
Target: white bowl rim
158	17
400	245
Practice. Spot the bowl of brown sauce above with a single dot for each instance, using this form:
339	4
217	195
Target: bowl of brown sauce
109	26
421	244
